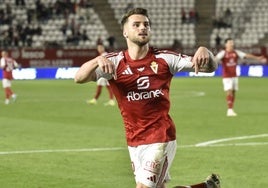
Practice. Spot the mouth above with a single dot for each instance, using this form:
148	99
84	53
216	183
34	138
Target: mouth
143	34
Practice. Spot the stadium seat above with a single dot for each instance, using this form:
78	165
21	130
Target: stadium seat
250	21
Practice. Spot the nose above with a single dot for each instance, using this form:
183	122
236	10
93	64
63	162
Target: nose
143	26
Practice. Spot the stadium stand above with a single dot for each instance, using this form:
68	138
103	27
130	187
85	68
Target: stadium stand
248	23
80	23
166	19
61	24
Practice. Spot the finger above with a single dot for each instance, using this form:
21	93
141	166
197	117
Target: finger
205	62
114	72
106	69
196	68
102	66
114	76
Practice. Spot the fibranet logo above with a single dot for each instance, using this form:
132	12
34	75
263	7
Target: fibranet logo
143	83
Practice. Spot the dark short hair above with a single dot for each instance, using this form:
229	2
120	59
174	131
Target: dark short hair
226	40
131	12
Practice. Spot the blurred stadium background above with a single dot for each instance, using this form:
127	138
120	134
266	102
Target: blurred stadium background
64	33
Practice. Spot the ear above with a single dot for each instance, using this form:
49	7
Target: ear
125	34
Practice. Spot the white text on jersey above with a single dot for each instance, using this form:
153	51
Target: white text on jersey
134	96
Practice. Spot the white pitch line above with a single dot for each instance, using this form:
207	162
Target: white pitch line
203	144
61	150
240	144
230	139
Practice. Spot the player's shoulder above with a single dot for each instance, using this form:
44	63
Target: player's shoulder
115	57
111	54
221	52
238	51
157	51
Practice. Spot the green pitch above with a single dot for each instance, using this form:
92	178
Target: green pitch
50	137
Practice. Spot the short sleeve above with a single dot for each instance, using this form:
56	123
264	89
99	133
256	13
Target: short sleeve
177	62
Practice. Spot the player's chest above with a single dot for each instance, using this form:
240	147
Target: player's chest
231	56
142	75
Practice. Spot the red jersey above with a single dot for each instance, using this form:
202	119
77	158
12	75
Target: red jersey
8	65
229	61
142	92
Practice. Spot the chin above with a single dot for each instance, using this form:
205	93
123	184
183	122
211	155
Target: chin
143	42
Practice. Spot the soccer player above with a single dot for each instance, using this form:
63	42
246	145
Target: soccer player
8	65
140	78
102	82
229	60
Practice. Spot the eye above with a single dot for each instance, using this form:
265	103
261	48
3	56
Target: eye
147	24
136	24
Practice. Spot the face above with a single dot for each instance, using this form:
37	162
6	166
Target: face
229	44
137	29
4	54
100	49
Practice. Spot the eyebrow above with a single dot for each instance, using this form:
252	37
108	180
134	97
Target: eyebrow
140	22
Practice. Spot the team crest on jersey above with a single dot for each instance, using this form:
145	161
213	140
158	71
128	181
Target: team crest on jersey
154	67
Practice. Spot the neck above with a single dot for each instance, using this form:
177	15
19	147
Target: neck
138	52
229	49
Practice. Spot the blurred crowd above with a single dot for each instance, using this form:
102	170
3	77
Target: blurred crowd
190	16
19	31
16	32
223	20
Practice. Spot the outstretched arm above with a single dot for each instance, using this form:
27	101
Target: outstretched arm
261	58
16	65
86	72
204	61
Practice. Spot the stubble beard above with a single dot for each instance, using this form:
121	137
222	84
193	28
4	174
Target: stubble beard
141	42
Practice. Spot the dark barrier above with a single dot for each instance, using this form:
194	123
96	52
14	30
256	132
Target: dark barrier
76	57
52	57
69	72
